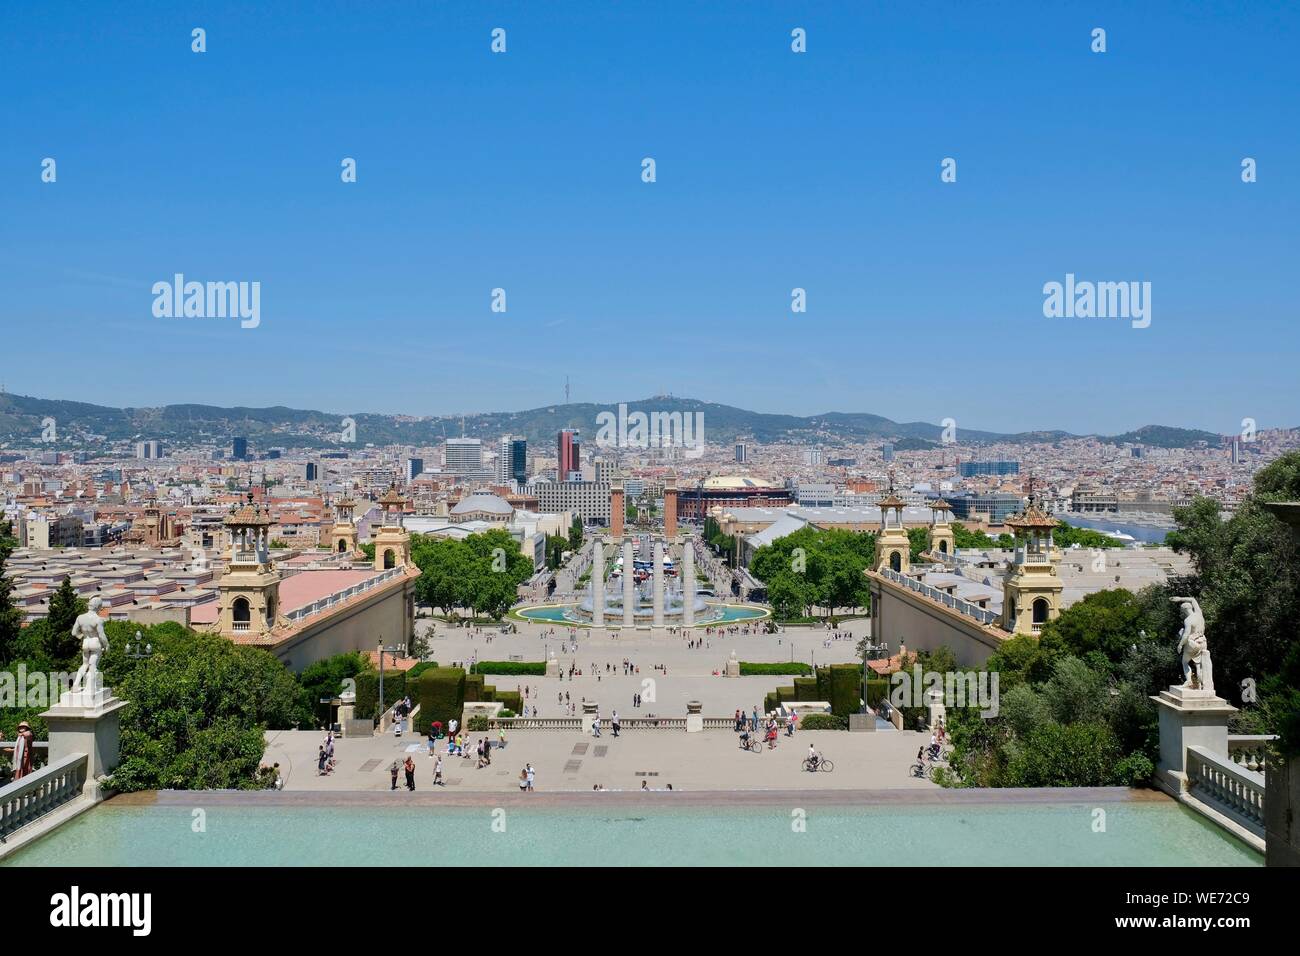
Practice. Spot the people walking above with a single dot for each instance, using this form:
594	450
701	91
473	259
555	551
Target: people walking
437	773
409	767
392	771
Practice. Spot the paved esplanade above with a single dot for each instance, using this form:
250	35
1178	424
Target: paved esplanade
710	760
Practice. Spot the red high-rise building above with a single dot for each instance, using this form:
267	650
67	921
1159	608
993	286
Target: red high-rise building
570	453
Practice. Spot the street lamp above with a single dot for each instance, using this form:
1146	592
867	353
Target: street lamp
139	654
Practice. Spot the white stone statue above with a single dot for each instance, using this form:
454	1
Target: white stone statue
89	627
1193	646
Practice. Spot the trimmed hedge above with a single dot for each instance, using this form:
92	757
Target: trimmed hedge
512	700
474	686
521	668
781	669
785	694
846	689
440	692
877	690
771	702
419	669
823	722
805	688
368	690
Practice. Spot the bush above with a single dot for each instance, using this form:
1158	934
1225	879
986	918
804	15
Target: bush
440	692
877	690
785	694
513	701
368	690
782	669
805	688
521	668
1135	770
419	669
846	689
474	687
477	723
771	702
823	722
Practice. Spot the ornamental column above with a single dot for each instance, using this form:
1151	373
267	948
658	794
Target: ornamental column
659	582
598	583
629	585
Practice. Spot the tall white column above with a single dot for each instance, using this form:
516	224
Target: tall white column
659	583
598	583
688	581
629	584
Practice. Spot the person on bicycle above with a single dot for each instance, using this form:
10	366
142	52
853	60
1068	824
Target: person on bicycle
744	739
812	758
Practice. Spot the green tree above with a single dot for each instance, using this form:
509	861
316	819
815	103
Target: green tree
65	607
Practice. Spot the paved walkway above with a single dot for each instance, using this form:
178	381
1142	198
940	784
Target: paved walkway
567	760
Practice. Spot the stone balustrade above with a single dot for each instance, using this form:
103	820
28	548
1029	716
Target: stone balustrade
1250	751
26	800
1232	790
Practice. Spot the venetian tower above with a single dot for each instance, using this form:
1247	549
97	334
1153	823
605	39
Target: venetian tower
893	547
392	542
249	589
343	536
1032	590
942	540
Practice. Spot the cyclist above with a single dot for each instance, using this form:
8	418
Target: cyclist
813	758
744	738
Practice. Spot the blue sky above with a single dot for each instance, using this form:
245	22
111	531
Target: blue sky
775	170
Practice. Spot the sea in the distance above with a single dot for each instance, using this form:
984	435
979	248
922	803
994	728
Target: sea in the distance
1104	523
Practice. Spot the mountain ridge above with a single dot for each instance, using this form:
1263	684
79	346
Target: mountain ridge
21	420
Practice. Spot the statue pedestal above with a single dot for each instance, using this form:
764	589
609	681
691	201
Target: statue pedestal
694	719
1188	718
552	667
89	728
733	668
589	709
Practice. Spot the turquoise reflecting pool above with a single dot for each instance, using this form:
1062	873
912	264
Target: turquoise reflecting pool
566	614
1136	834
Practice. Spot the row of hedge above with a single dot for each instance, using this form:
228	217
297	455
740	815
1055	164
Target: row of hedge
511	668
782	669
396	684
839	684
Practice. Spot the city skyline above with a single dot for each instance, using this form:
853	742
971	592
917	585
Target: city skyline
776	171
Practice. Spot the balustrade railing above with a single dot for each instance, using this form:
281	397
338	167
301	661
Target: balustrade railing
1230	789
942	597
1250	751
28	799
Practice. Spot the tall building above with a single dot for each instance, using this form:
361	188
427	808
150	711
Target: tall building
503	461
519	461
970	469
1236	450
569	454
414	468
887	452
462	456
812	457
148	449
239	448
311	471
741	452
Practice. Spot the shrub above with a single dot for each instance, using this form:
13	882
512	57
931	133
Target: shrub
771	702
477	723
780	669
805	688
440	692
823	722
785	694
521	668
474	687
419	669
368	690
1135	770
846	689
512	700
877	690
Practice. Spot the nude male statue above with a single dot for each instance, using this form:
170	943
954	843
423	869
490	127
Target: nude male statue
90	628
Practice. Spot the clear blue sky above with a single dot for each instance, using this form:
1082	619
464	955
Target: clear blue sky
775	170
